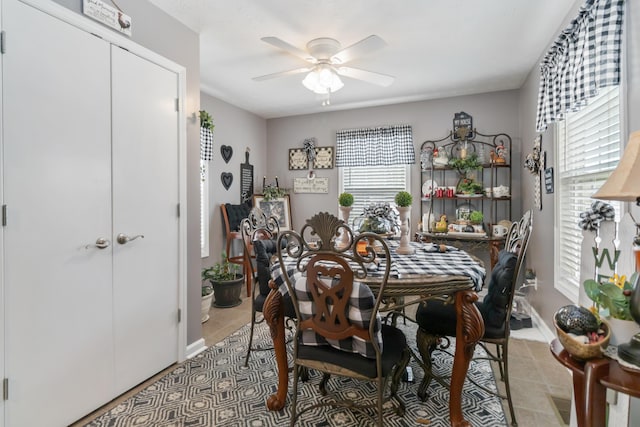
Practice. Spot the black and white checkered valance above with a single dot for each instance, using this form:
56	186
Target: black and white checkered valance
387	145
584	58
206	144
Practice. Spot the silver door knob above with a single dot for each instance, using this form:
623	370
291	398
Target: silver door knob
123	238
101	243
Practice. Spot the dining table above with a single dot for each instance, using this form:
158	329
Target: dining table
431	271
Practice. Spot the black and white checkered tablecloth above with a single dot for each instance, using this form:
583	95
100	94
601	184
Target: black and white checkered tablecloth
423	262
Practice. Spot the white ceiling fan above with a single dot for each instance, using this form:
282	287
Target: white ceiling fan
326	60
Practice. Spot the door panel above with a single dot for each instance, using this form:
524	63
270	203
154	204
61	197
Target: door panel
56	96
145	198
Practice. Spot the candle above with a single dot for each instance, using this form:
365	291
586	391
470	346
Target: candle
277	185
264	181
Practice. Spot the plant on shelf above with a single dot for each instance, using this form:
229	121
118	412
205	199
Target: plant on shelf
403	199
611	298
271	192
467	165
466	168
476	217
345	199
468	186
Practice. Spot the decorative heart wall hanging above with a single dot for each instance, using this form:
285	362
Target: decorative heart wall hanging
227	179
227	152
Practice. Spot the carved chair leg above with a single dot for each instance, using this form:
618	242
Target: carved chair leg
426	345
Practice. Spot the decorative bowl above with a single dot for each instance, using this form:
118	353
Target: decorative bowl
580	351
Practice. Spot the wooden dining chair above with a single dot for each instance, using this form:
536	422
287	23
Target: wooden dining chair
437	318
339	331
232	215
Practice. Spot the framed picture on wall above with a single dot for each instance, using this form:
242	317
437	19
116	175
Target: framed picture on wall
279	208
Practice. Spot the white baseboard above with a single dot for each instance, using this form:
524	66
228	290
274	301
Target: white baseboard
195	348
547	333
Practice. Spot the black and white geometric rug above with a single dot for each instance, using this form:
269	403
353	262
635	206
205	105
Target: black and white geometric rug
215	389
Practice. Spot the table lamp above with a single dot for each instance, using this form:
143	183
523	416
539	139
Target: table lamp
624	185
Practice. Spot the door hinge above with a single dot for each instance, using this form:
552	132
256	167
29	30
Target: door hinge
5	389
3	41
4	215
177	104
179	315
178	210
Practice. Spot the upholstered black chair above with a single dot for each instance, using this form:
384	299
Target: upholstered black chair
437	319
259	239
232	216
338	330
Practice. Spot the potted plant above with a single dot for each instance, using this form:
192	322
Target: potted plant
611	300
226	281
466	169
345	200
271	192
403	200
476	217
207	297
379	218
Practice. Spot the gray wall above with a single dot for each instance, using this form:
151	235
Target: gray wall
240	130
492	113
541	253
157	31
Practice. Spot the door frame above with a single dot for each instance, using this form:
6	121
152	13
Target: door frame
84	23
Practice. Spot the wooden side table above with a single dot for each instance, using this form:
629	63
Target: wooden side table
590	382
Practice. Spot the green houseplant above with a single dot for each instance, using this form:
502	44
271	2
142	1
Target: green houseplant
476	217
345	199
226	280
611	298
403	199
466	169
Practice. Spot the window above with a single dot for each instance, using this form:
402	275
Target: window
587	150
204	209
370	184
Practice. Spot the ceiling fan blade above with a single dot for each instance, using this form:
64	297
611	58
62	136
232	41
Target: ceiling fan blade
367	76
282	74
363	47
281	44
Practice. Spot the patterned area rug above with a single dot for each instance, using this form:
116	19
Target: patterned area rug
215	389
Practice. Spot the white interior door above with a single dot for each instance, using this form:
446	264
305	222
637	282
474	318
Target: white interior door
56	173
145	202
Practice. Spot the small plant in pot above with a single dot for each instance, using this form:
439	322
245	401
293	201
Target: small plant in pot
403	199
476	217
226	281
345	200
207	297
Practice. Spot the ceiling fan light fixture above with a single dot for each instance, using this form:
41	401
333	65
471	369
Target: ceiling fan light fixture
323	79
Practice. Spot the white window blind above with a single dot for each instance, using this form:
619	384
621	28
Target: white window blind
371	184
204	209
588	149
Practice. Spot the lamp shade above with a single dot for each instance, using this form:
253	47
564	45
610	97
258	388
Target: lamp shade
624	182
323	79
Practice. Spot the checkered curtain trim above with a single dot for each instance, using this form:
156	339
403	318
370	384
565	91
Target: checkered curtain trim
584	58
389	145
206	144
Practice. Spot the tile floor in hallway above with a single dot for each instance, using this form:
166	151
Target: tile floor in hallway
536	378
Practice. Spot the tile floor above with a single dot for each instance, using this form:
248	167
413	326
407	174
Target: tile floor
536	378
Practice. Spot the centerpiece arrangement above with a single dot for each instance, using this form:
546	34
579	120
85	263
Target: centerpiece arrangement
381	218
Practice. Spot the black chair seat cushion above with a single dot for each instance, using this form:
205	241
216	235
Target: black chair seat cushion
439	318
394	343
263	250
